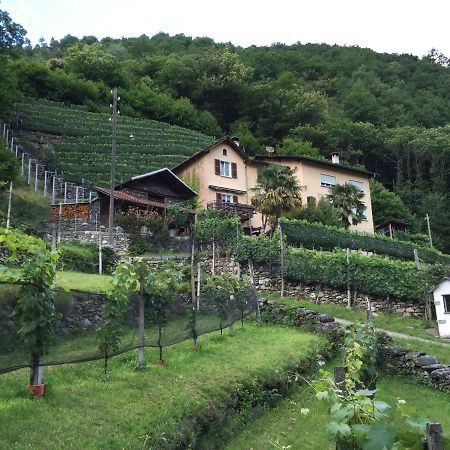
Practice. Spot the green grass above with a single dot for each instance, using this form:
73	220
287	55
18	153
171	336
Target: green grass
284	425
136	408
82	281
411	326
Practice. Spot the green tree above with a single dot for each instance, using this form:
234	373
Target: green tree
275	193
387	205
347	200
323	212
9	168
293	147
12	34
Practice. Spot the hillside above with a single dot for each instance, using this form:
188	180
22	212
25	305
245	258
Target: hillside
78	142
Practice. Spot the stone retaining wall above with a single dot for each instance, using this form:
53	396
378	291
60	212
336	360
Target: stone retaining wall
267	278
393	360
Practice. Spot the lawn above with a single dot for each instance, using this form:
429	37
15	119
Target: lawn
411	326
157	406
82	281
285	426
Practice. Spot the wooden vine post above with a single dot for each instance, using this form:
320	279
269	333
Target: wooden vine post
434	436
252	276
281	260
141	355
194	299
349	292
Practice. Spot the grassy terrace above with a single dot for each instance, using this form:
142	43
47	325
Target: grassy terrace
82	281
160	405
411	326
285	426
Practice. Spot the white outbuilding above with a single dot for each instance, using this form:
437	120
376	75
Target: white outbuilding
441	294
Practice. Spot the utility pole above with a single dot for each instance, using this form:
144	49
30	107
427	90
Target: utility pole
113	165
427	218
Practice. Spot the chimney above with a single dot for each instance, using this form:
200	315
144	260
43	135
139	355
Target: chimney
235	139
335	158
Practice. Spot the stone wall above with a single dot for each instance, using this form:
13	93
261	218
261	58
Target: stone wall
267	278
396	360
393	360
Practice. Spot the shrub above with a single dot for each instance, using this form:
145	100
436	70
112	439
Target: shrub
314	235
373	275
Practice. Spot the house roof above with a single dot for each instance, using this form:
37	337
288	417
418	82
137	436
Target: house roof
225	140
443	279
265	158
166	173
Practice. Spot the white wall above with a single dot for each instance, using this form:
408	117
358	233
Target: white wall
443	318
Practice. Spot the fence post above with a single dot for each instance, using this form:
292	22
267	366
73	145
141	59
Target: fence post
8	217
141	356
339	378
100	259
416	258
281	260
434	436
36	172
21	166
193	298
349	292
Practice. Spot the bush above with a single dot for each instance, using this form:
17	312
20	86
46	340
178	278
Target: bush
314	235
79	257
373	275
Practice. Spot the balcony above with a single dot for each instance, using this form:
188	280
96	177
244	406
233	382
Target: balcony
244	211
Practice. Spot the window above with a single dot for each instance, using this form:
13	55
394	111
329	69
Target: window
225	169
357	184
227	198
446	300
310	200
364	214
327	180
224	152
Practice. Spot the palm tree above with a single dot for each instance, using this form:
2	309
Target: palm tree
347	200
276	192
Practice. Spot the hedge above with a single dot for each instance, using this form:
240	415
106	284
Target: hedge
318	236
374	275
78	257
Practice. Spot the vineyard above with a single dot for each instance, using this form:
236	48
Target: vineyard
83	146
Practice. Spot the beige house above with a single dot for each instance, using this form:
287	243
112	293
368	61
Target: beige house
226	175
317	177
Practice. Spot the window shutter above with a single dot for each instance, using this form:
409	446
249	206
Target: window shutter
218	194
235	198
217	166
234	170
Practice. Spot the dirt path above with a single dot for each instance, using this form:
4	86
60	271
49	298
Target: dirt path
400	335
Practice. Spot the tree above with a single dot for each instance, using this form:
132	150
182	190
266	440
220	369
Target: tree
347	200
324	212
276	192
9	168
387	205
293	147
11	34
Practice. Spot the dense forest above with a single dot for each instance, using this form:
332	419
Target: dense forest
389	113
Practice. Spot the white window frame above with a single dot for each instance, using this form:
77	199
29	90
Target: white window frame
227	198
225	169
325	184
357	184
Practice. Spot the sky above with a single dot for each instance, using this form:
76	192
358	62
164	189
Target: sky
393	26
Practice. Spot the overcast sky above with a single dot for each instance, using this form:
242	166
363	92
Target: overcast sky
394	26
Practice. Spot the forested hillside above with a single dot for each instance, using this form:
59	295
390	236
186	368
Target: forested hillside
387	112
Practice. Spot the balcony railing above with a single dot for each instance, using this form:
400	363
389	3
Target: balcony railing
244	211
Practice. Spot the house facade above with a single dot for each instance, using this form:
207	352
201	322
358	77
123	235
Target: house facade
226	175
317	177
441	294
153	191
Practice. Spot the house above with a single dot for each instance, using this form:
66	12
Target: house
390	227
441	294
153	191
317	177
226	175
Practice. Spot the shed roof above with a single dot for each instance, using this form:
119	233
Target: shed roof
447	278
